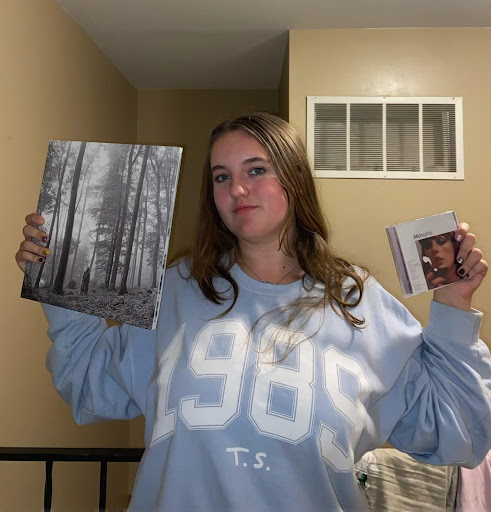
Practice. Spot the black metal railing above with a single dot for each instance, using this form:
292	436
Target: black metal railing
50	455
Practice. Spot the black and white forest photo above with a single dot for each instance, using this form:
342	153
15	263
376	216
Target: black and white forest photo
108	214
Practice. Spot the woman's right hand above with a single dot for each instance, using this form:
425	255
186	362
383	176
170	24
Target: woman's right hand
29	250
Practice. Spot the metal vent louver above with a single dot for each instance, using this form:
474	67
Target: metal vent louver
363	137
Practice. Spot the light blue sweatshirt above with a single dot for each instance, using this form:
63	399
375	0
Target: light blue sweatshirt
241	419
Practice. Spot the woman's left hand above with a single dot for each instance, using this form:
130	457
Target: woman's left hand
473	268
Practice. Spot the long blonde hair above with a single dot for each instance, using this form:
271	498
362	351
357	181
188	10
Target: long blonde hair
214	246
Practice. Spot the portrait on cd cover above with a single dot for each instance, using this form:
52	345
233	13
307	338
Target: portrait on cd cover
438	255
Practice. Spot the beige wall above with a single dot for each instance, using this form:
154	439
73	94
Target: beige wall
284	88
400	62
55	83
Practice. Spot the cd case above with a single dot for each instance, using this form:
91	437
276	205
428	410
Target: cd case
425	252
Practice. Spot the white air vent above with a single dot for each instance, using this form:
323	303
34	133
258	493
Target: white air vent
365	137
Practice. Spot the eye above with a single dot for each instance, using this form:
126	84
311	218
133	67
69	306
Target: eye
220	178
257	171
426	245
441	240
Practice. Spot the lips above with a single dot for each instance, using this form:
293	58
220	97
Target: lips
244	208
437	261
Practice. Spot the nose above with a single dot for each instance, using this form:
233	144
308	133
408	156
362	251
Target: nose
434	247
238	187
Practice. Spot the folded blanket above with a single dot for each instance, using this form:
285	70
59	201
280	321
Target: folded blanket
394	482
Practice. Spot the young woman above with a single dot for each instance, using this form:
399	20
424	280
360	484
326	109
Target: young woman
441	250
275	364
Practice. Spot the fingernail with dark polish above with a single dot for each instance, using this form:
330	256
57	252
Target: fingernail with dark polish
41	260
461	271
458	238
467	276
44	239
460	260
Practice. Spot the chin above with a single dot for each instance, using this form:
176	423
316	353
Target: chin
256	238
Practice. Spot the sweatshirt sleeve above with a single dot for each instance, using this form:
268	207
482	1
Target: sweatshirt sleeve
101	372
445	392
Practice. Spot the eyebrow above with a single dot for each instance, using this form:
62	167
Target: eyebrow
245	162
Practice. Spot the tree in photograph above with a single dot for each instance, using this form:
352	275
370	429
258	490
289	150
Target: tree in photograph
112	222
137	243
142	250
86	189
54	159
165	169
77	242
61	175
157	165
60	213
95	246
123	289
46	204
60	275
170	174
60	230
119	237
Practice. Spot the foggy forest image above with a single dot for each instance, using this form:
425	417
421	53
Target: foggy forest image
108	212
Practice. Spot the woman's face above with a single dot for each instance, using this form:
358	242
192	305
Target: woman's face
440	250
247	194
